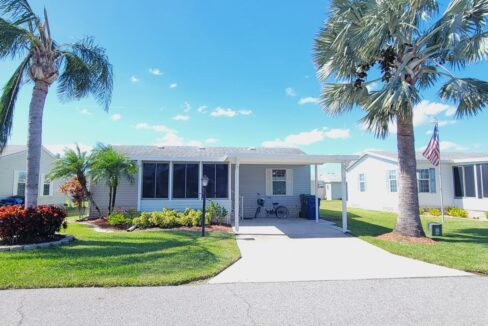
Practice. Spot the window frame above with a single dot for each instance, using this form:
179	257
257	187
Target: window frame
214	181
186	181
392	173
43	184
283	179
15	190
155	180
362	182
420	179
462	174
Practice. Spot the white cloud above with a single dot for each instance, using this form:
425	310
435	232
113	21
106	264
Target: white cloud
85	111
173	139
223	112
290	92
308	137
202	109
449	145
61	148
211	140
181	117
157	128
116	117
134	79
173	85
245	112
337	133
308	100
373	86
155	71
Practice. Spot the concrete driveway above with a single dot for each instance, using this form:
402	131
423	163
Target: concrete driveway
275	250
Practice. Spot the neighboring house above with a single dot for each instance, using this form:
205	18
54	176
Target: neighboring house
329	187
373	181
13	166
170	177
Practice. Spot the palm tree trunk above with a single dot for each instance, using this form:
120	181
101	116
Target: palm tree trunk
110	200
114	194
34	142
83	183
408	222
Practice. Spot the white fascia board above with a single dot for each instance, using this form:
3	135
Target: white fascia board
293	159
177	159
471	160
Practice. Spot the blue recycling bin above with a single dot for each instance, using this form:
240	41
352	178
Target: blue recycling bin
311	207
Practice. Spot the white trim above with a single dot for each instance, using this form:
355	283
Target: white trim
229	181
344	198
139	184
200	176
170	181
236	197
316	187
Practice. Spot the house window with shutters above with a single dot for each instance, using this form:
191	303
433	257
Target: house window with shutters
392	181
426	180
362	182
279	182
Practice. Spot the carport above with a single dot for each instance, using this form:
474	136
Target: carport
292	159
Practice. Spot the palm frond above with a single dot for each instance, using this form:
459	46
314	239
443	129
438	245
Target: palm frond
87	70
341	98
19	10
470	95
7	102
72	163
14	40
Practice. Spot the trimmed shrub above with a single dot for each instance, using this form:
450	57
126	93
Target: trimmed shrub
434	211
143	221
216	213
122	217
30	225
456	211
170	218
421	211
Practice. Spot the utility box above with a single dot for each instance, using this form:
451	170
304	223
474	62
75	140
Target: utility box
435	229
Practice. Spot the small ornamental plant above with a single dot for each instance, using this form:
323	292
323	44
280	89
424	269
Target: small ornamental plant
19	225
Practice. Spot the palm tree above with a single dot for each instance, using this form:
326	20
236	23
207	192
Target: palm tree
111	166
81	68
74	163
399	41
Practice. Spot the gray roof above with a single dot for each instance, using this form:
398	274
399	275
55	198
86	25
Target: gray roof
193	152
13	149
446	156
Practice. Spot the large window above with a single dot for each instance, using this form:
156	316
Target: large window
423	178
218	180
484	179
155	178
278	178
464	181
185	180
392	181
20	183
362	182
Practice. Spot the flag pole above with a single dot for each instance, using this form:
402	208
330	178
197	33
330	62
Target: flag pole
440	177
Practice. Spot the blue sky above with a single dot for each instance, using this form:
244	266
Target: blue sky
215	72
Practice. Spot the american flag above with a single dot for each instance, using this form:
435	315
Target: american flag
433	151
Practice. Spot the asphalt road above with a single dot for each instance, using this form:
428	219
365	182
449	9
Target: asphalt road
423	301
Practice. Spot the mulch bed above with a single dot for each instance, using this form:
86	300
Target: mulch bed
55	237
103	224
392	236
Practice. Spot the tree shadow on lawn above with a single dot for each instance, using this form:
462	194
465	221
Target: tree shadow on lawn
471	235
356	224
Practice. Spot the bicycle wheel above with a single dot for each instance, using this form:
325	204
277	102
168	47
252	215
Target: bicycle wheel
258	211
281	212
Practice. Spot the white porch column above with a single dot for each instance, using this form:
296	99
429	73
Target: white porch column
236	197
344	198
170	181
139	184
316	187
200	176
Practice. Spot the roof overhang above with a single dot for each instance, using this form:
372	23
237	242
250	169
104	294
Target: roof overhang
292	159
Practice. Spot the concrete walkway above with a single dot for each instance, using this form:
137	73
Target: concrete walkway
276	250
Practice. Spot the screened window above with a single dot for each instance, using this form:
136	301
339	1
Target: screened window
464	181
423	179
484	179
392	181
185	180
46	186
21	179
218	180
155	178
362	182
279	181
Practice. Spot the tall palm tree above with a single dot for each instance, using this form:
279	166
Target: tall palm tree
81	68
111	166
411	46
74	163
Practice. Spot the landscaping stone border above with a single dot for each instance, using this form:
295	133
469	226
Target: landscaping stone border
67	239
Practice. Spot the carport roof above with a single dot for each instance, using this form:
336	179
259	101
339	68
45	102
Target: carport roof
244	155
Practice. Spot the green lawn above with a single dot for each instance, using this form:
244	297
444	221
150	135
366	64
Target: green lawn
120	259
463	246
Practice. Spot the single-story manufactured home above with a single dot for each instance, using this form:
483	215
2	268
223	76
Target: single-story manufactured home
13	166
170	177
373	183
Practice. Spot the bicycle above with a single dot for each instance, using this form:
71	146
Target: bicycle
277	210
